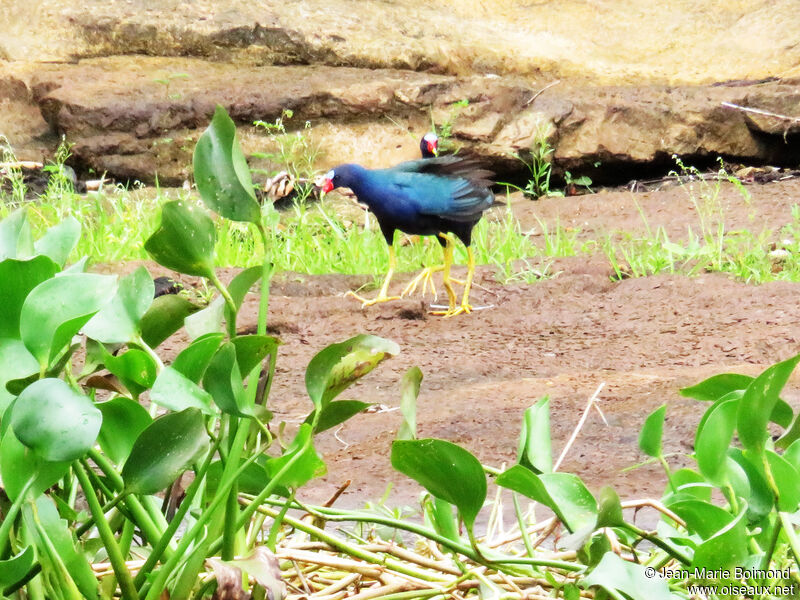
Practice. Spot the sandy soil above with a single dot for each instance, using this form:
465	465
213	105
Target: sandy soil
563	337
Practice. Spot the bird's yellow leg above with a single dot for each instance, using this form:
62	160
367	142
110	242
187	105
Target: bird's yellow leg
451	295
382	294
426	278
465	305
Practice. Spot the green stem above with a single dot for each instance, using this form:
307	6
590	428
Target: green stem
523	529
229	301
11	515
668	471
127	589
143	520
191	536
152	353
163	542
794	543
656	541
71	590
277	522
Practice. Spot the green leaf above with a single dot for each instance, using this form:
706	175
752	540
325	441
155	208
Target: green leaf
175	391
59	539
224	382
717	386
19	277
782	414
240	285
135	368
56	309
123	421
335	413
59	241
652	432
754	489
759	401
252	349
184	241
534	450
617	575
164	450
409	391
787	481
164	317
221	172
564	493
206	321
609	510
19	464
15	363
726	548
194	359
691	483
119	320
446	470
702	518
792	455
338	366
308	466
713	437
15	568
55	421
16	240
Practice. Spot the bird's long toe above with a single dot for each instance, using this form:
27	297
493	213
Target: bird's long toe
365	302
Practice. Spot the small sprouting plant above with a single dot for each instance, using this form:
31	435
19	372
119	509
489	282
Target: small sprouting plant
582	181
538	163
11	177
445	129
167	82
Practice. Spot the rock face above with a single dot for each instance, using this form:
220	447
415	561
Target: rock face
132	85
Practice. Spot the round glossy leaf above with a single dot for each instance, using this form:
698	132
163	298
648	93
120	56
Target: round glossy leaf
18	464
409	390
164	450
224	382
59	240
446	470
716	387
164	317
726	548
305	468
534	450
221	172
758	402
55	421
15	568
135	368
19	277
564	493
714	435
337	412
206	321
193	360
16	240
252	349
175	391
338	366
652	431
123	421
185	240
56	309
787	480
15	363
609	511
240	285
119	320
691	483
618	575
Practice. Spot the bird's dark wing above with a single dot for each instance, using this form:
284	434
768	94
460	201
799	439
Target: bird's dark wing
471	168
456	199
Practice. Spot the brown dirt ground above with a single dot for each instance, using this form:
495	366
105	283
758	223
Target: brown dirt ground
562	337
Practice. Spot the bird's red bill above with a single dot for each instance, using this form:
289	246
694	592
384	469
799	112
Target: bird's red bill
327	186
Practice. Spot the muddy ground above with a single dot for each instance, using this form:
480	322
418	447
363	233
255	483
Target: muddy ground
562	337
